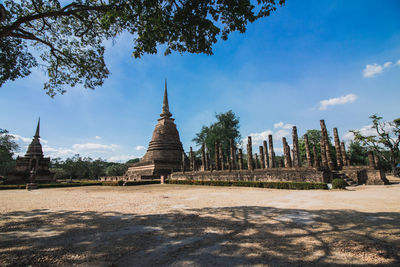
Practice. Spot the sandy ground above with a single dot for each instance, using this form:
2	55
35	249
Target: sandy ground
199	226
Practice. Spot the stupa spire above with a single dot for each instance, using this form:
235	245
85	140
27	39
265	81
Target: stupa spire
35	148
165	108
37	129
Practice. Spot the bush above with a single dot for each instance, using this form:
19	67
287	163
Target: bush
276	185
338	183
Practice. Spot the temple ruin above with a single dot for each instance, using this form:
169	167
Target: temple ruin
165	151
266	168
32	161
166	157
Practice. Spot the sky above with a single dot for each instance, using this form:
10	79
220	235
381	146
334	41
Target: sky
310	60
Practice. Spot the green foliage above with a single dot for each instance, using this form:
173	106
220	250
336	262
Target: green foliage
70	36
226	128
385	142
84	168
116	169
358	154
338	184
7	148
314	138
275	185
60	174
131	161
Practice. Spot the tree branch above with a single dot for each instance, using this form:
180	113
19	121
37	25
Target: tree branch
6	31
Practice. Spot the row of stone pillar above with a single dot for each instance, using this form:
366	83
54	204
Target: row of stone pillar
291	157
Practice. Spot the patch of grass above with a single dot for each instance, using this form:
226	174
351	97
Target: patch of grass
275	185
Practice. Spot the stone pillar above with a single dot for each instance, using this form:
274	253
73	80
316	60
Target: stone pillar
240	156
316	159
371	160
346	162
289	155
249	154
183	161
233	154
339	159
266	158
280	163
324	161
325	138
191	157
271	152
308	153
286	153
221	157
262	161
256	161
376	161
203	158
296	150
207	161
216	154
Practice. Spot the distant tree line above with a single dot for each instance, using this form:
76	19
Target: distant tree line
79	167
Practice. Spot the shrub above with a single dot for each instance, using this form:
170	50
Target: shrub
276	185
338	183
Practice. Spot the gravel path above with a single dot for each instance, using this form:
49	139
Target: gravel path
199	226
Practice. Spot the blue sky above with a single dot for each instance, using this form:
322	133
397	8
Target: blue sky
310	60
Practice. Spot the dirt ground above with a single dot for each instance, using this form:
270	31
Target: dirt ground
199	226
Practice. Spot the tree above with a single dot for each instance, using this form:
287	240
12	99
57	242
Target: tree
358	155
385	142
314	138
131	161
116	169
226	128
7	148
70	36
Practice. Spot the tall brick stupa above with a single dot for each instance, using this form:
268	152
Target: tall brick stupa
164	153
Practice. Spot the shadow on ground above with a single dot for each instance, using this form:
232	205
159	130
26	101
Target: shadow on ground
202	237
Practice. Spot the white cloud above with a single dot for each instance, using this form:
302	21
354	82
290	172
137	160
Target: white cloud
140	148
387	64
324	104
58	152
97	137
281	133
283	125
122	158
21	138
258	138
371	70
94	147
366	131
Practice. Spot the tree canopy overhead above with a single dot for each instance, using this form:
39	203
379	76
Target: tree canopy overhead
69	38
